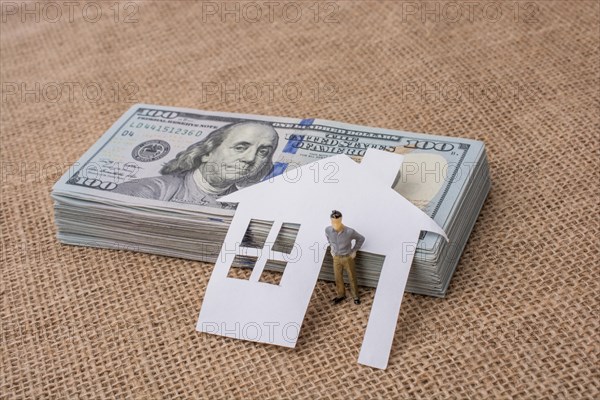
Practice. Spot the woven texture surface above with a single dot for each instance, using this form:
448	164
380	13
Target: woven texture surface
521	315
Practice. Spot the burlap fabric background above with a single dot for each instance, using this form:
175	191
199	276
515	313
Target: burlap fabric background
521	315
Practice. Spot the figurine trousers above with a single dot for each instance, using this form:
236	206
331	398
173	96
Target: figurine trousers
341	263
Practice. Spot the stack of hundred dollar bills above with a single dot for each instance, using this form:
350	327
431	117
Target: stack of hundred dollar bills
152	182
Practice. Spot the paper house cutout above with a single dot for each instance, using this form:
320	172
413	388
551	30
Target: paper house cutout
269	313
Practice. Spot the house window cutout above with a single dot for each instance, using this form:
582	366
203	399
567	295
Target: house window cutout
275	272
243	267
286	239
256	233
265	246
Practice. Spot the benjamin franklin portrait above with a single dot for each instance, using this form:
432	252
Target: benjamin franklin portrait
229	158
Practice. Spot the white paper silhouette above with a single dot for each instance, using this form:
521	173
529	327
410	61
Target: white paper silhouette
268	313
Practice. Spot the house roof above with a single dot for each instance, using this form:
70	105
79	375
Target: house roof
335	183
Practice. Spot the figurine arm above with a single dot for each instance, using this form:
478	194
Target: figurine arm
329	241
359	240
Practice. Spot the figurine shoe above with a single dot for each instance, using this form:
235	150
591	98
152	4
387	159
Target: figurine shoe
337	300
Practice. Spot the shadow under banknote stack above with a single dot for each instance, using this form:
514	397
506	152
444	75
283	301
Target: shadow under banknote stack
153	180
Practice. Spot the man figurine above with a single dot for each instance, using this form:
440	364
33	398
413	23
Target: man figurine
340	239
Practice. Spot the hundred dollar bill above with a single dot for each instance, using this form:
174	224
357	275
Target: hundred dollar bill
163	157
